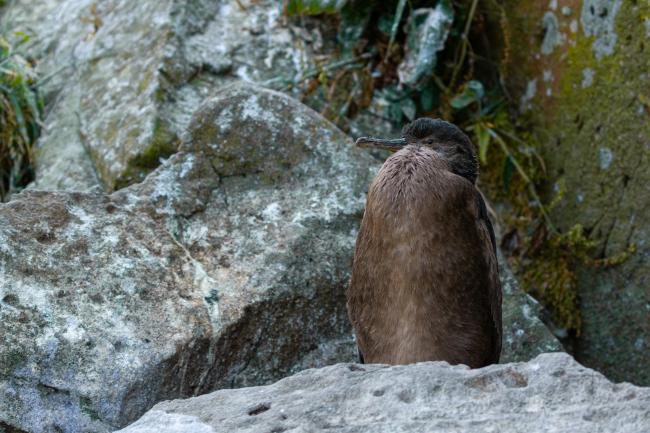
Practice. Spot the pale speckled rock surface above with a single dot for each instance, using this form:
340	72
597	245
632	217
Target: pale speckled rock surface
551	393
226	267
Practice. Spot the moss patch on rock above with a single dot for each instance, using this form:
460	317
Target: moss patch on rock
163	144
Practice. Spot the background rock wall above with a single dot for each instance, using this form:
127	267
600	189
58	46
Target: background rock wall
581	68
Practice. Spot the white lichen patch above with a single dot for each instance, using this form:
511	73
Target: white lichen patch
187	165
527	312
74	332
587	77
224	121
253	111
4	243
196	233
605	157
272	212
552	35
531	91
83	227
598	19
110	236
547	75
639	343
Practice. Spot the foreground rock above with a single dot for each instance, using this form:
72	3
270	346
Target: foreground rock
226	267
550	393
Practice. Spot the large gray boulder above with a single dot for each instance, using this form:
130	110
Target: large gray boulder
226	267
551	393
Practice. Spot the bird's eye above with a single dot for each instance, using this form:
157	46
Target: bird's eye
429	141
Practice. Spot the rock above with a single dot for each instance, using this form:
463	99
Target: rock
588	90
116	107
194	280
524	334
550	393
226	267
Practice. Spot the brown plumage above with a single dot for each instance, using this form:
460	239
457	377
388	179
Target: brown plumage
425	283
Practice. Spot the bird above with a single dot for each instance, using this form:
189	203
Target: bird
425	279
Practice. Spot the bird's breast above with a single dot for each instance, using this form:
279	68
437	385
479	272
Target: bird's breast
419	274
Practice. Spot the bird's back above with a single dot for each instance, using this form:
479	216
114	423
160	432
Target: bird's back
424	277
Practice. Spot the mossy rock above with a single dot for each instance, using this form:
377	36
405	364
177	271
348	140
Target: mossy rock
582	68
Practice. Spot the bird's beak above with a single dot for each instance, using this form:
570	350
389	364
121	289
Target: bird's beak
381	143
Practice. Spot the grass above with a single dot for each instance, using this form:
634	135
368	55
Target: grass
20	118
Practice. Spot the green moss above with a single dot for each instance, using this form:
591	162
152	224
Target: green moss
309	7
550	275
603	115
163	144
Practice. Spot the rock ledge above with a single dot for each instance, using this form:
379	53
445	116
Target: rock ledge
549	393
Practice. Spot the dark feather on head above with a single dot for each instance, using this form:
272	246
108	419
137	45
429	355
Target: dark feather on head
459	150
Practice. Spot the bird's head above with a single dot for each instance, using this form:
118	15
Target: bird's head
445	138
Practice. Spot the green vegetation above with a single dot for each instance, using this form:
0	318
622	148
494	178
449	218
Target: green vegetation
465	46
311	7
164	143
20	111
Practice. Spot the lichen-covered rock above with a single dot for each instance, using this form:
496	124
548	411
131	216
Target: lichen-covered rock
226	267
127	76
551	393
586	81
194	280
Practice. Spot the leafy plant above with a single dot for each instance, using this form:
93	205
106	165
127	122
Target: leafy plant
312	7
20	117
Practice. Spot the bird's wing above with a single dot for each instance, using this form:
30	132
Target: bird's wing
494	283
484	218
